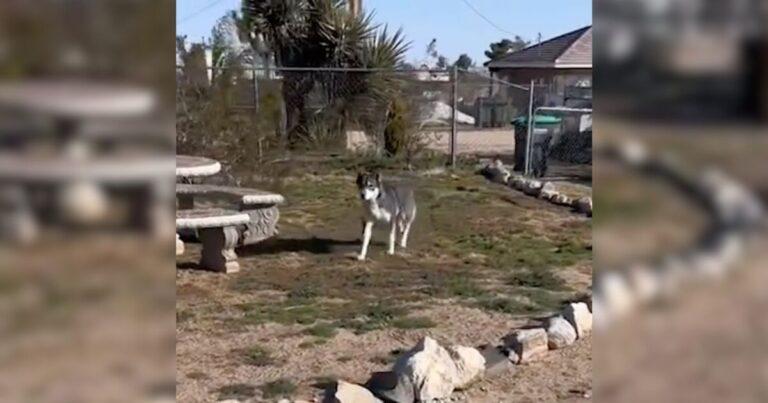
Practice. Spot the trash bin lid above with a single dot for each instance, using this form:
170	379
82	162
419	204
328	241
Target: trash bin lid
539	120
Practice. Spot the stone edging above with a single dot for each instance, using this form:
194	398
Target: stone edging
498	173
735	216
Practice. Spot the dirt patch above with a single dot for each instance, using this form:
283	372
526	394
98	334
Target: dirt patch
481	260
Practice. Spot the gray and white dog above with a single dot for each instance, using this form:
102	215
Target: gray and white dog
385	203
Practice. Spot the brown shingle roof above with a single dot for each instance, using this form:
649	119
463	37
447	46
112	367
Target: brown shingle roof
573	49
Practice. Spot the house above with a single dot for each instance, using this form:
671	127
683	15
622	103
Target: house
561	67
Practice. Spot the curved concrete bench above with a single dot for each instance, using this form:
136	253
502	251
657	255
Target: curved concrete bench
261	206
217	229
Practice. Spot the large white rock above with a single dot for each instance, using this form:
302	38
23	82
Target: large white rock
617	296
430	369
346	392
470	365
578	315
527	343
560	333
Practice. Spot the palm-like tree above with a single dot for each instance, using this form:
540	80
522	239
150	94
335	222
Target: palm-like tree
322	33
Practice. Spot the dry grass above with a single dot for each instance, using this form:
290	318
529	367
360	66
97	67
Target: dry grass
500	256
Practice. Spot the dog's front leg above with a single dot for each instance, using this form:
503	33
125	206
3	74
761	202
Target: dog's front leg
367	228
392	233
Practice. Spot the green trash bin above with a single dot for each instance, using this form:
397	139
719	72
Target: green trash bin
542	133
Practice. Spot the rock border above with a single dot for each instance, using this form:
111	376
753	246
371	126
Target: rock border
496	172
735	216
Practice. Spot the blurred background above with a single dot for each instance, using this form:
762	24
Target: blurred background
687	78
87	164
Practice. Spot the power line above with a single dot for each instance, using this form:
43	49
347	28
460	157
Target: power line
479	14
198	12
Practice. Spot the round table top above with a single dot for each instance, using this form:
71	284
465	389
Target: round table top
209	218
126	169
188	166
76	99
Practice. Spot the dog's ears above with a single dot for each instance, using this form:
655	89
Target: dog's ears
359	180
378	177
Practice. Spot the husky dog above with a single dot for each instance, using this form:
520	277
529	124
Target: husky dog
384	203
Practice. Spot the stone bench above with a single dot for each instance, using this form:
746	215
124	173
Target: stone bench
261	206
217	229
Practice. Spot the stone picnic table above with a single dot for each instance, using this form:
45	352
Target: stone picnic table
217	229
71	104
261	207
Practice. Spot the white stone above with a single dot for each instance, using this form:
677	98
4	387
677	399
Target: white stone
430	370
83	203
730	248
633	152
470	365
517	182
560	333
616	294
644	283
527	343
179	246
532	187
706	265
346	392
548	191
562	199
578	315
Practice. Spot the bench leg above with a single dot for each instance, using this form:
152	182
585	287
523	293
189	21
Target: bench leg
219	249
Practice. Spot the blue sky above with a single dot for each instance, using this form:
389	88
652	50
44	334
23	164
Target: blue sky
457	28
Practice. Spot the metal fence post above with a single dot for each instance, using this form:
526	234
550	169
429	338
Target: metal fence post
454	114
255	89
529	135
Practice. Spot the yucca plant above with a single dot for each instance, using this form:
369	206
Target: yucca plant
323	33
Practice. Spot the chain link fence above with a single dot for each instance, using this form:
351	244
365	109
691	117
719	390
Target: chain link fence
267	119
493	117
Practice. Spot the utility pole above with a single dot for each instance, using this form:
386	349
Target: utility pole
355	7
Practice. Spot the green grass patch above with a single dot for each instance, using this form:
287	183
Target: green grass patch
282	387
510	251
236	391
537	278
413	322
257	356
506	305
323	331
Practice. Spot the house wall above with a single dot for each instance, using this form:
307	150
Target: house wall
558	79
